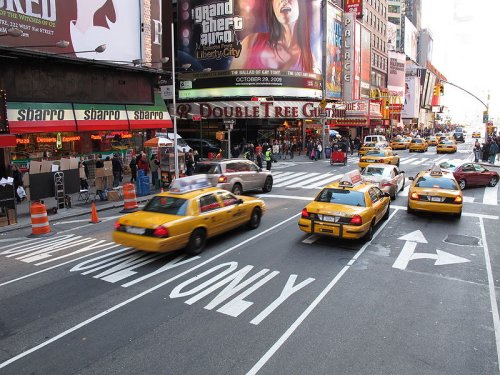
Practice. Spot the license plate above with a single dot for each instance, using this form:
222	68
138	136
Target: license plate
331	219
135	230
370	160
435	199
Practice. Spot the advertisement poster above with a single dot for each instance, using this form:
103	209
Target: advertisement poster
392	37
86	25
412	97
396	76
411	38
354	6
334	54
365	66
250	48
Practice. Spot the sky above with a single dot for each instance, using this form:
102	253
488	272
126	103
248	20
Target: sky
467	52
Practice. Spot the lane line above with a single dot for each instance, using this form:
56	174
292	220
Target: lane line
140	295
311	239
491	287
277	345
491	195
297	179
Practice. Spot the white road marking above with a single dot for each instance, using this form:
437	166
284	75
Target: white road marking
311	239
291	176
407	161
284	197
12	239
491	287
296	179
277	345
85	220
468	199
140	295
320	184
405	191
305	183
491	195
419	161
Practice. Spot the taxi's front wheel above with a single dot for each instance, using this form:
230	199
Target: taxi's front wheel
196	242
255	218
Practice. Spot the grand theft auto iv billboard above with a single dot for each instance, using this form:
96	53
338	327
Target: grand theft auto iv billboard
250	48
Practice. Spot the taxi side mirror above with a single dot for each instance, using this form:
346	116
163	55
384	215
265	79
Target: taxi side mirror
411	178
387	195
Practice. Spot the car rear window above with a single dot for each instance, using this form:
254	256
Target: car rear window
341	196
167	205
417	141
373	171
376	153
207	168
436	182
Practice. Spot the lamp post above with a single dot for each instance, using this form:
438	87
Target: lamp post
176	153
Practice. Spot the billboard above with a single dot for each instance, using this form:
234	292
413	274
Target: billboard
392	36
334	53
411	39
412	97
354	6
365	65
250	48
84	24
348	56
396	76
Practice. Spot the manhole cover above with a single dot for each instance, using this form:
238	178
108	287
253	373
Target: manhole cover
459	239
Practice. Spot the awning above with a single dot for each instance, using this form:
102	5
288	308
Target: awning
7	140
149	117
159	142
91	117
40	117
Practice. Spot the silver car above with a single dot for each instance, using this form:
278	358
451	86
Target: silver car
236	175
387	177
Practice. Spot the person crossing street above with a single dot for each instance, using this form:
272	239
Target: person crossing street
268	157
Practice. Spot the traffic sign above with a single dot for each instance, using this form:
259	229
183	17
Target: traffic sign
485	117
322	104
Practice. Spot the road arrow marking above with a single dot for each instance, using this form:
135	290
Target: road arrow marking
408	252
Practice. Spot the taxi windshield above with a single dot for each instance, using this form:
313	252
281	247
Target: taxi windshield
376	152
341	196
167	205
417	141
436	183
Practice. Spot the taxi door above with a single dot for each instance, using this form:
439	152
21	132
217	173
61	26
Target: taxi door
233	210
211	214
376	196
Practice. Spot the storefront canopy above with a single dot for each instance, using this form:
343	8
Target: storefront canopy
66	117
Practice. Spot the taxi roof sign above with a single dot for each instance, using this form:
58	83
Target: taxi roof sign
351	179
436	170
190	183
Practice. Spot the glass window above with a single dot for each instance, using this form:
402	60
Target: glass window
436	182
243	167
228	199
373	171
207	168
342	196
209	203
373	195
167	205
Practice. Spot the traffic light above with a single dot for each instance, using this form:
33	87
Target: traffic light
436	90
441	89
4	123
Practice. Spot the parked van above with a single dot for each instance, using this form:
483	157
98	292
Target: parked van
374	139
182	146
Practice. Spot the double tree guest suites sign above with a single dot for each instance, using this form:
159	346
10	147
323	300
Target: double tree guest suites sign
252	109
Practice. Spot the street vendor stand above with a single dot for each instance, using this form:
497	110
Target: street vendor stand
164	148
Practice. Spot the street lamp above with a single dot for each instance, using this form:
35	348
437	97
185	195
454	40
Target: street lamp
176	153
140	62
59	44
12	31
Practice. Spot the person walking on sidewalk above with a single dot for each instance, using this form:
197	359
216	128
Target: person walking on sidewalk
117	170
133	169
493	151
154	165
477	151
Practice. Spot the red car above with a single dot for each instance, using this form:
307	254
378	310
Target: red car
473	174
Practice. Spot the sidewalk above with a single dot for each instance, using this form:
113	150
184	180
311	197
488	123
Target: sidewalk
78	208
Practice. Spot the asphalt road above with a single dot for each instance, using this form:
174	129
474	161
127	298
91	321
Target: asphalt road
420	298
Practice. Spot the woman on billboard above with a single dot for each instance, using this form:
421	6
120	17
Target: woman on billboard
285	46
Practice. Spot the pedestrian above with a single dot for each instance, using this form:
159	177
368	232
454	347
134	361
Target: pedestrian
154	166
493	151
17	176
99	163
319	148
133	169
117	168
351	145
485	149
477	151
219	155
189	164
259	158
142	163
268	158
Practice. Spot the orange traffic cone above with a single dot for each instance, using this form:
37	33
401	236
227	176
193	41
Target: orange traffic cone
94	219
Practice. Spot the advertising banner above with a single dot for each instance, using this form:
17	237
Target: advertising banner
40	117
357	60
392	36
412	97
365	65
411	38
84	24
242	48
354	6
348	54
334	53
396	76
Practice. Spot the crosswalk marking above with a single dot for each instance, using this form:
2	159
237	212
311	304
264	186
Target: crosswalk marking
322	183
306	183
282	178
296	179
491	195
404	193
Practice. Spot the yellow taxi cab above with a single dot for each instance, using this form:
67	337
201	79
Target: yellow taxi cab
379	156
476	135
365	147
418	144
349	208
446	145
399	143
407	141
435	190
432	140
185	216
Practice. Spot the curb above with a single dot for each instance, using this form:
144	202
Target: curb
105	207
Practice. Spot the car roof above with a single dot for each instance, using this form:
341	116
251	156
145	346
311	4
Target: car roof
192	194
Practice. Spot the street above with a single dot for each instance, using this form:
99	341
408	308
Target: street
420	298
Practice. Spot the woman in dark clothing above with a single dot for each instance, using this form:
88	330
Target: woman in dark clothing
18	181
133	169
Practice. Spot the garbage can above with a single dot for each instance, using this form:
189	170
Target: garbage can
138	183
145	188
328	152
